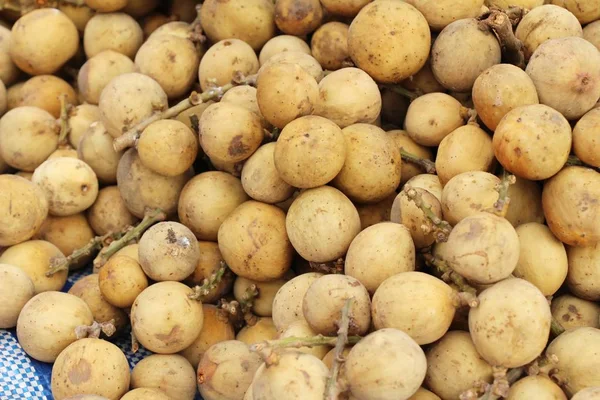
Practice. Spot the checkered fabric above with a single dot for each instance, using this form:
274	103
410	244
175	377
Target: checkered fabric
24	378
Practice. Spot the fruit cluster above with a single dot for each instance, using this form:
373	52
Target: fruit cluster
303	199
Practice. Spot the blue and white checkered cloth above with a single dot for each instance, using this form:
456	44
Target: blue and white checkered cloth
22	377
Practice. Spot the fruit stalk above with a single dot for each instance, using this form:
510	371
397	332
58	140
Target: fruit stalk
332	267
441	229
573	160
196	34
94	330
448	275
209	284
130	138
333	389
297	342
402	91
556	327
240	311
501	205
132	233
502	381
64	121
95	244
427	165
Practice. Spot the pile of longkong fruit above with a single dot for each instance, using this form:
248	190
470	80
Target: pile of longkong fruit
304	199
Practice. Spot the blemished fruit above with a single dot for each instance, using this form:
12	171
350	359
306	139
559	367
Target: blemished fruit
86	365
226	370
526	312
302	199
533	142
483	247
566	74
164	319
572	214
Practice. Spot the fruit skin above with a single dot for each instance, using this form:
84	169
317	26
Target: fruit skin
128	99
586	138
576	371
484	248
28	135
226	370
310	152
170	373
534	386
533	141
385	365
518	334
252	21
296	376
254	243
392	54
543	23
566	75
317	235
24	209
300	88
373	166
499	89
90	366
325	299
427	322
348	96
42	41
16	289
571	207
461	52
454	366
431	117
163	318
47	323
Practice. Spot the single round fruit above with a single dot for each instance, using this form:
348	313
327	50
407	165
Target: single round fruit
512	308
392	54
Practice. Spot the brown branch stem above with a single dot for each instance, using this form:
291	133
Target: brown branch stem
500	23
64	121
332	267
